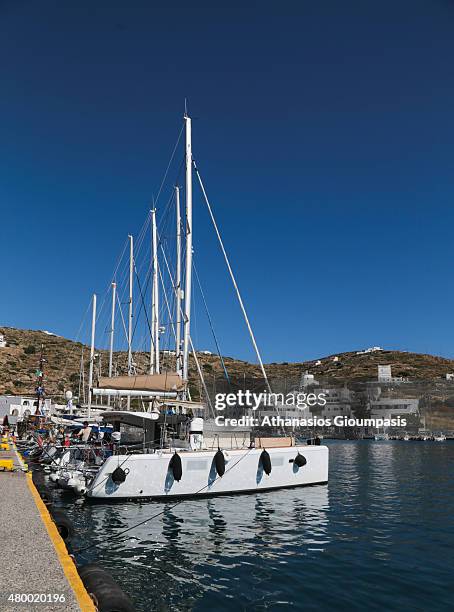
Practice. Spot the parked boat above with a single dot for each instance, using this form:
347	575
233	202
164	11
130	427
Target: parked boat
172	454
183	466
440	437
381	436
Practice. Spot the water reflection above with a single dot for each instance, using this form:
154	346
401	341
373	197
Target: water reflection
203	548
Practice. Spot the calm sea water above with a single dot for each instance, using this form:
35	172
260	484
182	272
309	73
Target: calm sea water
379	536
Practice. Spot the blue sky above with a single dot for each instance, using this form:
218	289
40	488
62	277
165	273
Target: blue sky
325	135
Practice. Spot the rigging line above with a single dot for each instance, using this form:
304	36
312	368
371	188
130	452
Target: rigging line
119	261
106	293
170	163
167	303
142	304
166	509
240	300
100	310
171	197
211	324
194	354
138	245
141	236
168	306
76	339
122	288
122	318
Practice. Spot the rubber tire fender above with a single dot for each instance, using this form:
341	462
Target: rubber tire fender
108	595
64	525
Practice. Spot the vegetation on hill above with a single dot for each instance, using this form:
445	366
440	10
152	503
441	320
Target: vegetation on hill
19	360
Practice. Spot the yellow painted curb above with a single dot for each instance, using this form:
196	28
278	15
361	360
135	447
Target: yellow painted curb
23	465
84	600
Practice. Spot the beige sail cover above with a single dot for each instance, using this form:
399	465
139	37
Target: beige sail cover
170	381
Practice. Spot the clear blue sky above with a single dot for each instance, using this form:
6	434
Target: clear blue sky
325	133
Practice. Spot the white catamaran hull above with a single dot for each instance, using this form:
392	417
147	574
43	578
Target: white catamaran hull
149	475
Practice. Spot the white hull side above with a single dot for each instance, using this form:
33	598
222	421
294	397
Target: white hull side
149	475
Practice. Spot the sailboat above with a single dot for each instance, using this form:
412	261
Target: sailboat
172	453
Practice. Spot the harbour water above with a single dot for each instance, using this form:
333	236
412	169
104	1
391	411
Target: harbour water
380	536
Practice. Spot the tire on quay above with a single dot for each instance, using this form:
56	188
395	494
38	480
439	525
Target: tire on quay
64	525
101	585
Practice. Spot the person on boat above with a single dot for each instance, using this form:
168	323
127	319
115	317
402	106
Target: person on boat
85	432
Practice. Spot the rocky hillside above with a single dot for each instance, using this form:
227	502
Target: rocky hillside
19	360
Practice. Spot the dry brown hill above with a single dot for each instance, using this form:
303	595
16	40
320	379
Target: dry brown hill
19	360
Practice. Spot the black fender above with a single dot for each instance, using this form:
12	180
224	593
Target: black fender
219	462
119	475
107	594
300	460
265	460
176	467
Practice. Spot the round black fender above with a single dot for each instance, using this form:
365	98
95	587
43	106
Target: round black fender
94	573
64	525
219	462
300	460
119	475
265	460
176	467
107	594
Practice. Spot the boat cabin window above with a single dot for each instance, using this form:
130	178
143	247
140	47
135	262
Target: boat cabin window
130	433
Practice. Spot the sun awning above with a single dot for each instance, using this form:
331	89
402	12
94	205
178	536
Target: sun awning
169	381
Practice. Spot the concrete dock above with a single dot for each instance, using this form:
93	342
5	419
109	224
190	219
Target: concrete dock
35	566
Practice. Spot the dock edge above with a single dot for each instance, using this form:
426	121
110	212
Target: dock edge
69	567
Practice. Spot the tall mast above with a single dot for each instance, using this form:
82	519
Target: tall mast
112	329
152	331
131	280
188	281
155	322
92	354
178	284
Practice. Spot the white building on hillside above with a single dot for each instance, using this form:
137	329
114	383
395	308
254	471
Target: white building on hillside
19	406
387	408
